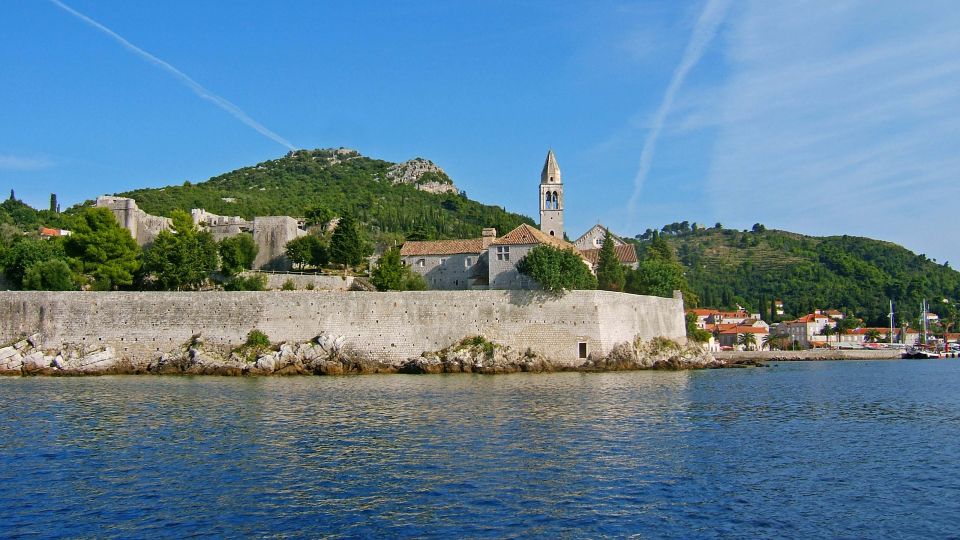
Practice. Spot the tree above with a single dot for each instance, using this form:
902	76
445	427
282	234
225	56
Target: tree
659	274
298	250
181	258
237	253
307	250
318	215
557	270
390	272
872	335
54	207
347	246
748	340
107	254
697	334
844	326
49	275
610	275
828	331
758	228
26	252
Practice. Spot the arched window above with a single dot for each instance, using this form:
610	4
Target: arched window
547	201
551	233
556	201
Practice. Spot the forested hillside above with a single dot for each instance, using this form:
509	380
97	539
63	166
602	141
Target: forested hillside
337	181
752	268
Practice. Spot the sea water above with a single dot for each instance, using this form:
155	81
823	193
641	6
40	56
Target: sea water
820	449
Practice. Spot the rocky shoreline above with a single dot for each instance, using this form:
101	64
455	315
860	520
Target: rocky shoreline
326	356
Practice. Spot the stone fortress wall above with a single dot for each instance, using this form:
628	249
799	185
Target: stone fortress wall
388	326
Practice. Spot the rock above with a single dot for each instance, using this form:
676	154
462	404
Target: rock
8	352
423	174
11	363
57	362
35	362
35	340
98	362
267	363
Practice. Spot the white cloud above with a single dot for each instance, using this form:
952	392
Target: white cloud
843	118
23	163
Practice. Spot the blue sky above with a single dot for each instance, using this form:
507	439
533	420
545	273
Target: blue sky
820	117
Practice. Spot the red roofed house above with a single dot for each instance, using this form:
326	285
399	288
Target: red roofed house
53	233
803	330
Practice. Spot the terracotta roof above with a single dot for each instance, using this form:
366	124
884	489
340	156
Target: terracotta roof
49	232
809	318
626	254
526	234
744	330
441	247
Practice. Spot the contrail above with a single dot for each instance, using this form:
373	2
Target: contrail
197	88
703	33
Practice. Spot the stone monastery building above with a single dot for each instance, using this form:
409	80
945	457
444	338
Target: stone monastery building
490	262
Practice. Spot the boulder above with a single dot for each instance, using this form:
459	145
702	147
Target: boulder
266	363
11	361
35	362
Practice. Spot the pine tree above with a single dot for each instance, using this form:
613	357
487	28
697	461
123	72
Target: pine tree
610	275
53	203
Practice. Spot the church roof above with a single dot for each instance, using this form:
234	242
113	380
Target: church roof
527	234
441	247
600	231
626	254
550	169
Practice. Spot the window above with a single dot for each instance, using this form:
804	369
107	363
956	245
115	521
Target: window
503	253
582	349
443	260
421	262
598	242
551	233
468	262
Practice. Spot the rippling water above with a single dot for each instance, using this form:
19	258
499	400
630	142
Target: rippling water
829	449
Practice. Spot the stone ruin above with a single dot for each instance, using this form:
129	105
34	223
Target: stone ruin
270	233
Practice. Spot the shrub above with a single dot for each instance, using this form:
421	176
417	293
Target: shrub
288	285
257	339
557	270
255	282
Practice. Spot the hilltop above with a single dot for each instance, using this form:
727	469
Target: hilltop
413	198
729	267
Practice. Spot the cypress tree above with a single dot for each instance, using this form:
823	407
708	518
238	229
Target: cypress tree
610	275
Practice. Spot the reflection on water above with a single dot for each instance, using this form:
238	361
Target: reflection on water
862	449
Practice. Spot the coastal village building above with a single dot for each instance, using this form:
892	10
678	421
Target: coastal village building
490	262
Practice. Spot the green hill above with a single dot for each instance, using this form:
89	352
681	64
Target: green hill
728	267
341	181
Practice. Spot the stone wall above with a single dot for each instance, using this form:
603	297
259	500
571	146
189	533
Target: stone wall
142	226
391	326
271	235
320	282
503	270
454	272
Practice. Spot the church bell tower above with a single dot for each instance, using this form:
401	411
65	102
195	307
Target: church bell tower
551	197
